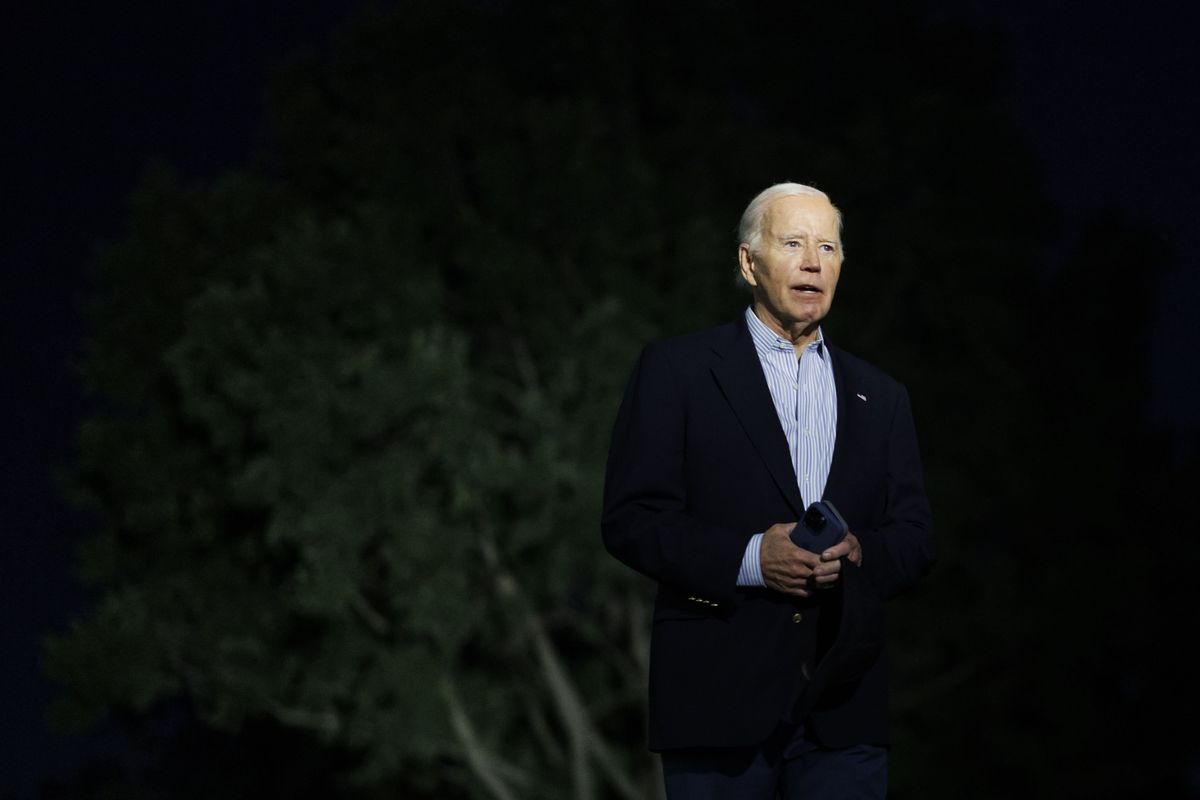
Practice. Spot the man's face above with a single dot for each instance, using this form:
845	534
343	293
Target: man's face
794	268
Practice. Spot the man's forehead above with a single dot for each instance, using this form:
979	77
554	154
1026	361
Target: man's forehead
800	210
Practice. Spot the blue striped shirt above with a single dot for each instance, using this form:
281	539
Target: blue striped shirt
805	399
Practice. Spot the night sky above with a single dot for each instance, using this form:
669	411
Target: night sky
1105	94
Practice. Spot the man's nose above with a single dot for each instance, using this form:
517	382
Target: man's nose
812	259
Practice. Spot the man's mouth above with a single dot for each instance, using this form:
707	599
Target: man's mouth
806	288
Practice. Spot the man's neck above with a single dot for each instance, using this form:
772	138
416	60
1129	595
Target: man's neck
801	336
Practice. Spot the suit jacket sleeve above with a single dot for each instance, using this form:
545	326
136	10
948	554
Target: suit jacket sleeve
645	521
900	550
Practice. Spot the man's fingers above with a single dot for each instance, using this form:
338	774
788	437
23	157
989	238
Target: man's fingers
787	568
826	574
797	578
839	550
847	548
828	568
797	588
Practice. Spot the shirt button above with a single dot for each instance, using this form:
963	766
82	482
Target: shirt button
797	617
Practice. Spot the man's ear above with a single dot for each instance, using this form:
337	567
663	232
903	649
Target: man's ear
746	262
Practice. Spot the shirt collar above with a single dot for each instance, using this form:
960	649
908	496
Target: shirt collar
766	340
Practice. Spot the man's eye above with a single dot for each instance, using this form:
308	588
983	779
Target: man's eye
791	243
828	248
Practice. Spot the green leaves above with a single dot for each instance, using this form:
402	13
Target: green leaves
299	497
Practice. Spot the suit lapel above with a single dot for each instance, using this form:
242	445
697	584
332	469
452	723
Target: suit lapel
740	376
849	422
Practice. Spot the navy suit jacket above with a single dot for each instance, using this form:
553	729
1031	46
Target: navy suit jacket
698	464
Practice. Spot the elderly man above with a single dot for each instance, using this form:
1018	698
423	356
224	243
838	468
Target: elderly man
767	675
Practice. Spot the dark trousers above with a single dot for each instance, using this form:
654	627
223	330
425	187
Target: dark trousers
787	766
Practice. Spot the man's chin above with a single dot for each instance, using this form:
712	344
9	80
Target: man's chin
806	318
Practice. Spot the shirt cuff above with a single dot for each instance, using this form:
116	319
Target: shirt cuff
751	572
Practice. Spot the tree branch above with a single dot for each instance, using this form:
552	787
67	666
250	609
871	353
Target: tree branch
583	736
491	770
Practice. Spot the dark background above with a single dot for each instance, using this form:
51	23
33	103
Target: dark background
92	94
1102	93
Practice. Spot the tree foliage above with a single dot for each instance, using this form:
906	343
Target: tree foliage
353	404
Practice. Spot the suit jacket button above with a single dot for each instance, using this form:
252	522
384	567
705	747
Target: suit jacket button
797	617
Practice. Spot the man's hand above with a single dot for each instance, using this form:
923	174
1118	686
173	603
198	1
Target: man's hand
826	573
793	570
785	567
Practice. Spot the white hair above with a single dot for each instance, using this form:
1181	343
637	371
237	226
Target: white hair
750	228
